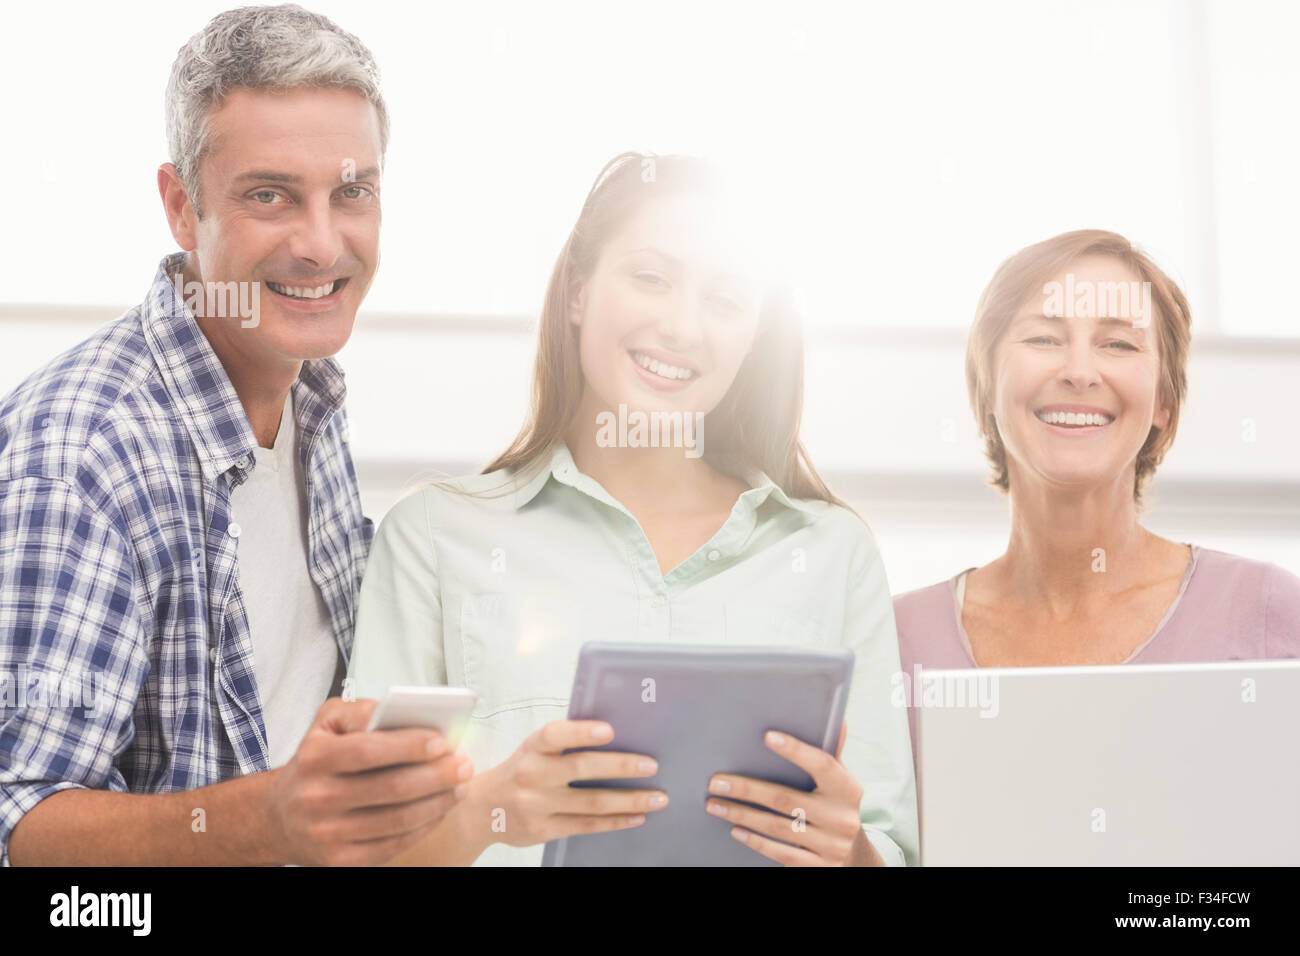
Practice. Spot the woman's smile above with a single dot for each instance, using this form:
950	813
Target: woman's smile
1074	420
660	374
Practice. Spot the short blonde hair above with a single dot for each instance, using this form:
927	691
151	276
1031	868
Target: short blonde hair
1022	276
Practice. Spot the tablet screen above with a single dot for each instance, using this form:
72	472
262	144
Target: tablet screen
699	711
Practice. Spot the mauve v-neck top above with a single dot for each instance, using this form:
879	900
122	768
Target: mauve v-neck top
1228	608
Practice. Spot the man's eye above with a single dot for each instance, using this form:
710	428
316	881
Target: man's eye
360	191
265	193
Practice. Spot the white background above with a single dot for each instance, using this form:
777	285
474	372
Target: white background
903	150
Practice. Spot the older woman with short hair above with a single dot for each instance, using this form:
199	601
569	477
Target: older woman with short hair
1076	368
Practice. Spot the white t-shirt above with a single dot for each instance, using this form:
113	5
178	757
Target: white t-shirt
295	657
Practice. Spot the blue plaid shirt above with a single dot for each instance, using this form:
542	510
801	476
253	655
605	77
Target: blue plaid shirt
125	657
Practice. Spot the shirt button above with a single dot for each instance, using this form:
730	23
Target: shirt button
714	555
234	529
244	462
46	422
212	655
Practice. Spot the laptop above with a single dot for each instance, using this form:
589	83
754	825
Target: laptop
1132	765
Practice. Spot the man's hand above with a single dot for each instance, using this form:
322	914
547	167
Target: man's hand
352	798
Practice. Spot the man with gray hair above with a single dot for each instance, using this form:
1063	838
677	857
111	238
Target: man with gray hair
180	523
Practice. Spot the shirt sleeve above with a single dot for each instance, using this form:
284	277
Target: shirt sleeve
72	647
878	749
399	612
1282	614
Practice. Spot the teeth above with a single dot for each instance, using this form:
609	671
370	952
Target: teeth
661	368
1075	419
298	292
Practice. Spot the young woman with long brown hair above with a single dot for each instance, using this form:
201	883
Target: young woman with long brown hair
658	492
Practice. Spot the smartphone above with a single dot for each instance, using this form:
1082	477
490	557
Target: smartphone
446	709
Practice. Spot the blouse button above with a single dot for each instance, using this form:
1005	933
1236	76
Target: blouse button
714	555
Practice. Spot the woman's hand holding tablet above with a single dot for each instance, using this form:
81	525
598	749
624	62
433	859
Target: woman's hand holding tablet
822	828
527	799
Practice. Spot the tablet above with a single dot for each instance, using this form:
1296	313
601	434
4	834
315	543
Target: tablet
699	711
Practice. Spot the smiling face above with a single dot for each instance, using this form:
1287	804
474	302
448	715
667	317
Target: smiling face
1076	386
669	312
290	199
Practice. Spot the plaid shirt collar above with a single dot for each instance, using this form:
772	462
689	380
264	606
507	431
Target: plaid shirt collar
197	382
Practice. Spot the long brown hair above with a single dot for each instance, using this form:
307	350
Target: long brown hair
756	425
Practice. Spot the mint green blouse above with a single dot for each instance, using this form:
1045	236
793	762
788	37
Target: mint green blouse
469	586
